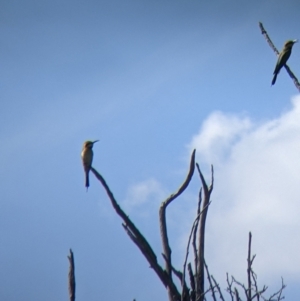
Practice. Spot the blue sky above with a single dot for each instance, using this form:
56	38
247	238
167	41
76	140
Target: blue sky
151	80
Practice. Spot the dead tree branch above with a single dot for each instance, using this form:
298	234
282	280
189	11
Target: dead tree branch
197	291
249	262
72	284
163	224
277	296
194	243
251	291
210	282
188	244
192	282
218	288
140	241
201	237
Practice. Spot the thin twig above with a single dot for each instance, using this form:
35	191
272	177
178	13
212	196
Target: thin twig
210	282
237	296
241	285
278	293
218	288
229	287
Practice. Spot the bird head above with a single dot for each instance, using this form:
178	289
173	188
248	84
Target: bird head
290	43
89	144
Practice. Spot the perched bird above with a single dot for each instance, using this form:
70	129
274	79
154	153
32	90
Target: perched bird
283	57
87	159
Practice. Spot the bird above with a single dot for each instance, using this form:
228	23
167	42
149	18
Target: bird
283	57
87	159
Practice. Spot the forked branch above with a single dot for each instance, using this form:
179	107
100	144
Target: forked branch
207	190
137	237
163	223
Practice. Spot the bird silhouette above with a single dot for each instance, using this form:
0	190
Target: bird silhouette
283	58
87	159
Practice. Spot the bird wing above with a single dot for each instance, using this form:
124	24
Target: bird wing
282	59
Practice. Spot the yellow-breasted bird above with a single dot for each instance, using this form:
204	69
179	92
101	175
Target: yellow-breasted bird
87	159
283	57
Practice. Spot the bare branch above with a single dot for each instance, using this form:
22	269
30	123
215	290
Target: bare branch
287	68
277	296
241	285
254	278
201	236
191	276
179	275
265	34
249	261
218	288
188	244
195	233
210	282
185	289
72	284
237	296
229	287
162	219
139	240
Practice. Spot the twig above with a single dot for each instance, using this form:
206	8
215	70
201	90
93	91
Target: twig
241	285
278	293
210	282
72	284
254	278
229	286
218	288
237	296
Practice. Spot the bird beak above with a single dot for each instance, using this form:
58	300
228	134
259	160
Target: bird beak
95	141
295	41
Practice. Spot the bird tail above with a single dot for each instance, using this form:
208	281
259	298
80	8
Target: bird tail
274	79
87	182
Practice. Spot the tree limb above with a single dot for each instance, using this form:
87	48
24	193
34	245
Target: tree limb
72	284
163	224
201	237
139	239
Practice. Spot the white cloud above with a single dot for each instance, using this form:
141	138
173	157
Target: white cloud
218	133
257	188
149	191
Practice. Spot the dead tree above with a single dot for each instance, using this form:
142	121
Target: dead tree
194	272
238	291
167	273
